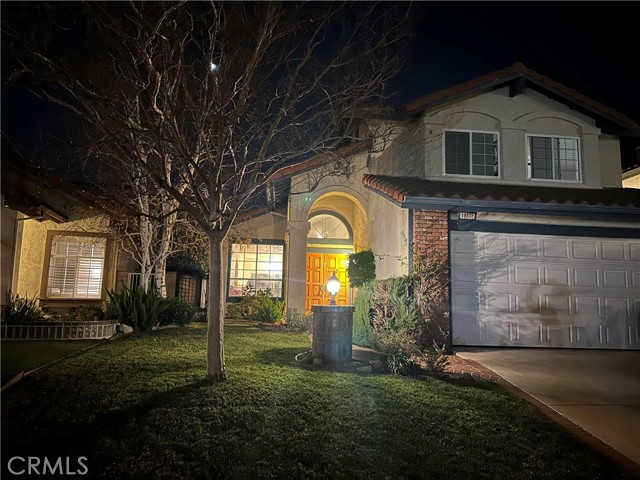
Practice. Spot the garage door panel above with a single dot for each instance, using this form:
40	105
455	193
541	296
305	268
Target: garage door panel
525	247
494	245
614	278
555	248
545	335
546	291
585	250
556	276
526	275
586	277
613	251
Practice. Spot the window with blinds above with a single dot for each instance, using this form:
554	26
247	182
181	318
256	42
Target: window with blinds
76	267
554	158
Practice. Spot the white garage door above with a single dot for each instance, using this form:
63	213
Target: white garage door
545	291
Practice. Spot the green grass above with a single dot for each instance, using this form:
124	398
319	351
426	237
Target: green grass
26	355
138	408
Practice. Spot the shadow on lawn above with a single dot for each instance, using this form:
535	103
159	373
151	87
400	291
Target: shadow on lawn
82	437
283	357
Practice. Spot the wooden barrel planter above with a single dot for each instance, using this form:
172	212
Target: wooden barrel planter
332	333
46	330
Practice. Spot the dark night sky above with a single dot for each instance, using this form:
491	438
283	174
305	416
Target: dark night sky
592	47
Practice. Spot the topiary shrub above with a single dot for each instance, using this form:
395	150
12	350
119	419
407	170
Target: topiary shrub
361	268
177	311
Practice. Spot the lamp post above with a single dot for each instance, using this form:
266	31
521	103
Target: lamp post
332	328
333	286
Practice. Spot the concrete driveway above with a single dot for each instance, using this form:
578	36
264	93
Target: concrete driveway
595	389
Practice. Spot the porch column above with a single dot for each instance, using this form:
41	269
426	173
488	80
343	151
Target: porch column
297	264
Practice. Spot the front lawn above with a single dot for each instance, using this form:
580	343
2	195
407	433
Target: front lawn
137	408
24	355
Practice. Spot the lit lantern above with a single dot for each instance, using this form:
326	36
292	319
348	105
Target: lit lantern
333	286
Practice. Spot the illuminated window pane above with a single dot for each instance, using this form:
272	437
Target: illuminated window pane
76	266
328	226
259	266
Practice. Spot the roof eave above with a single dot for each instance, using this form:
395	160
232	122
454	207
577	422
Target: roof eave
566	209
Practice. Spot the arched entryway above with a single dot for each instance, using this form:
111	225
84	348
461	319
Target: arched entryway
329	243
337	227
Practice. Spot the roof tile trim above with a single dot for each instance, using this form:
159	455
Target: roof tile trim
401	188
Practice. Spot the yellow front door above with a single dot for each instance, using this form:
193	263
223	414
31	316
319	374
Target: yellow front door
320	266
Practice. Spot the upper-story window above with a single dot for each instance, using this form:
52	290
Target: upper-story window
471	153
554	158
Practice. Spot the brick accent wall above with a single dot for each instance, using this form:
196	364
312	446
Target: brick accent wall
431	232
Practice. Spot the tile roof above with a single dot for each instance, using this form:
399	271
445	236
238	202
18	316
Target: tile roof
501	77
322	159
403	189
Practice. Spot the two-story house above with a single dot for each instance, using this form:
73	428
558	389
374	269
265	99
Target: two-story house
513	176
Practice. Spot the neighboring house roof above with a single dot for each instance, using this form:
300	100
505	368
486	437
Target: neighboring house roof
412	192
39	192
518	77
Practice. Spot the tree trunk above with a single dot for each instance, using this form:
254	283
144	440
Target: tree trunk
215	312
160	276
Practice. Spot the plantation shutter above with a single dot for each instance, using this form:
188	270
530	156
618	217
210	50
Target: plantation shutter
76	267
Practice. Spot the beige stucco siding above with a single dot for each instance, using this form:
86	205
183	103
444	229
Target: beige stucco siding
388	231
265	227
33	252
610	161
8	233
514	119
631	179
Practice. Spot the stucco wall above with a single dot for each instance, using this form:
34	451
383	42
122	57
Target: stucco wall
404	151
388	230
265	227
631	179
528	113
8	233
33	250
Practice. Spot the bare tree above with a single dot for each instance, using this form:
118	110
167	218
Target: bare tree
209	100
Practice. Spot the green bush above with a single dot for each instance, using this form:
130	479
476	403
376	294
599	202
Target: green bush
361	268
250	304
298	321
177	311
362	314
400	364
271	310
19	310
137	308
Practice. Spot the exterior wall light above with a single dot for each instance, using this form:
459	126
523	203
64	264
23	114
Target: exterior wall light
333	286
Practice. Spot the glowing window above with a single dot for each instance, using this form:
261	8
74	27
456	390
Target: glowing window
76	265
328	226
256	267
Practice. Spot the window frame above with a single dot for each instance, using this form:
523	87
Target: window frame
256	241
330	240
529	162
44	288
470	174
